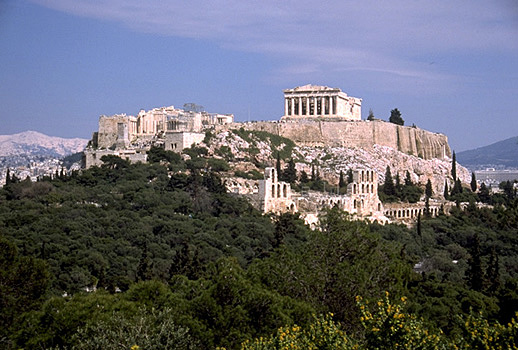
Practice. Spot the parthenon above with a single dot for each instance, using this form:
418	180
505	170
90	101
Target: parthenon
314	101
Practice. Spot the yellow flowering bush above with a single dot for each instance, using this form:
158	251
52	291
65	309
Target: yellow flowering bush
388	327
480	334
322	333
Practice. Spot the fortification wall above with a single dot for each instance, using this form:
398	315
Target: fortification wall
361	134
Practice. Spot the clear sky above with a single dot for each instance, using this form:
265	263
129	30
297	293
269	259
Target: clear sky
448	66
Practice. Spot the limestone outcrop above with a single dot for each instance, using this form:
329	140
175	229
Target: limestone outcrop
356	134
332	160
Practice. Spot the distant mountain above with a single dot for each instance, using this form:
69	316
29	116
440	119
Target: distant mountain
37	144
500	155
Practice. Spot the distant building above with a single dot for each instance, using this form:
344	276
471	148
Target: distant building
492	177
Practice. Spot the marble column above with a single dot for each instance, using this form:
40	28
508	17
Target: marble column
330	105
299	112
285	106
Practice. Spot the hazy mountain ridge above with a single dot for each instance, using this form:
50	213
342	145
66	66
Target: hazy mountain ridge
502	154
38	144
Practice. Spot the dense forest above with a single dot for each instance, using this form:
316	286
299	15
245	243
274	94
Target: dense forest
160	256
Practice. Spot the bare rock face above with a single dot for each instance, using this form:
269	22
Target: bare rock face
248	148
358	134
332	160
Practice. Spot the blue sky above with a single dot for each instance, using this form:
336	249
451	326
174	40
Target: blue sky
448	66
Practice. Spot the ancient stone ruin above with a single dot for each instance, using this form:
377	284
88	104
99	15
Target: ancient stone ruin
314	101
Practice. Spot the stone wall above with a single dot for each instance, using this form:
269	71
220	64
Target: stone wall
356	134
177	141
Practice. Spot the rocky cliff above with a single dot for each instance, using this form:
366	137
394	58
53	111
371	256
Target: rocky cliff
357	134
255	148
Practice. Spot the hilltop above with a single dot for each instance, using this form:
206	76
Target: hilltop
502	154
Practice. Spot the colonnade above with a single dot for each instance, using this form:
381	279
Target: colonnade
310	105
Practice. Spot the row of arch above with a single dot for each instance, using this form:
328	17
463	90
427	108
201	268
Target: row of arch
409	213
363	189
280	190
366	175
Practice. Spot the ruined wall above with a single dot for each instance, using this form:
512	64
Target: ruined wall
177	141
109	129
360	134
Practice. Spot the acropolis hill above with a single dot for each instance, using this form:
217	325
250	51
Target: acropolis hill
326	129
355	134
313	116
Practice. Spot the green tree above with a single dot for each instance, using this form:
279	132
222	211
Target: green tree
371	115
475	274
454	167
388	185
446	190
144	329
427	211
23	284
408	179
350	176
473	182
278	166
7	177
335	264
304	177
428	189
341	180
483	193
290	172
493	272
395	117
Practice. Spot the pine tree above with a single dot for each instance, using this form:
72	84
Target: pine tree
395	117
8	177
474	273
397	185
341	181
483	193
493	271
278	166
304	177
473	182
144	268
313	174
428	189
371	115
446	190
419	229
290	173
427	211
350	176
408	179
388	186
454	167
